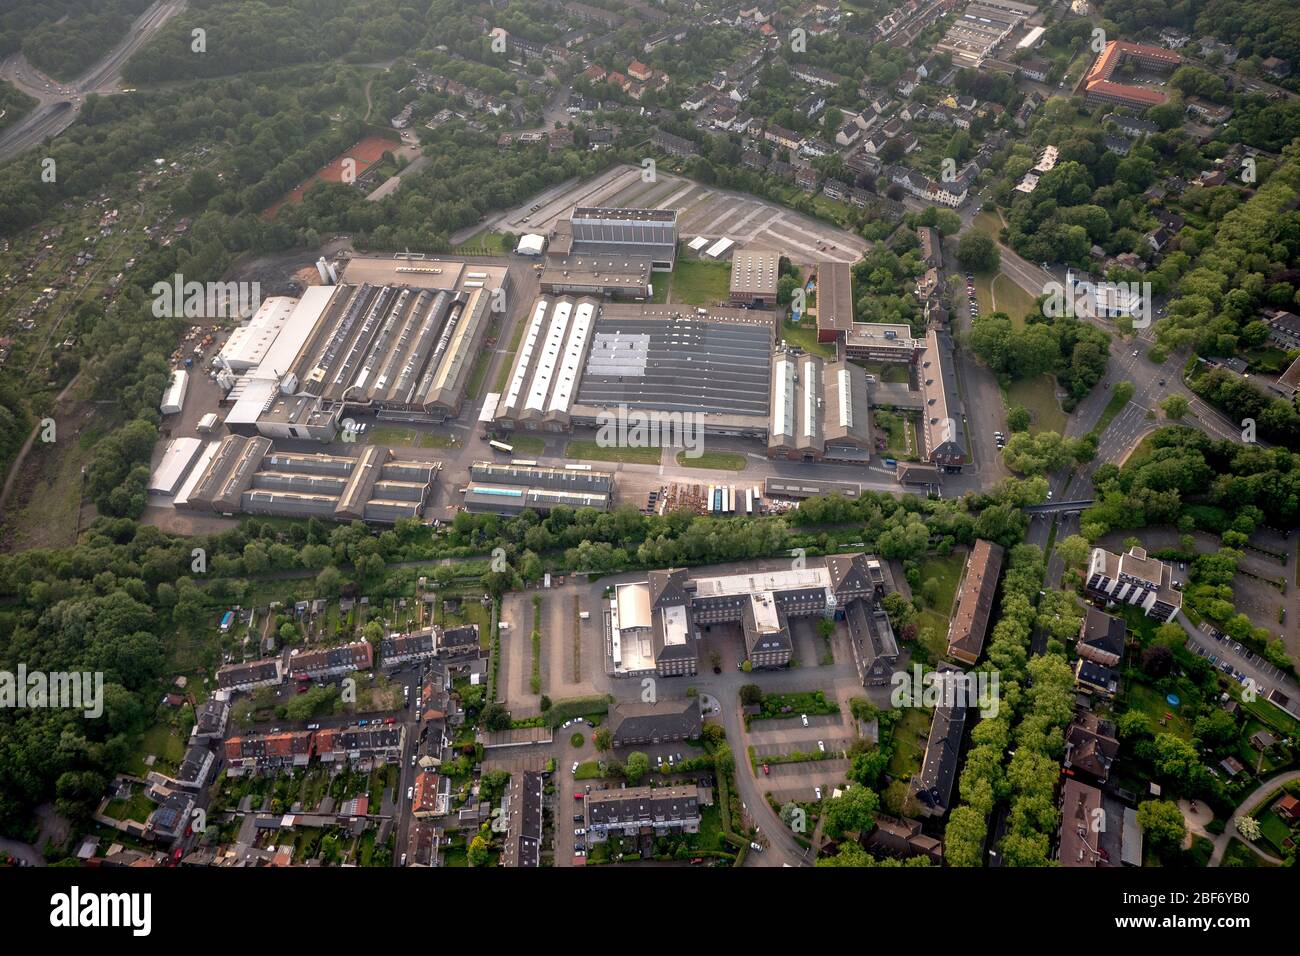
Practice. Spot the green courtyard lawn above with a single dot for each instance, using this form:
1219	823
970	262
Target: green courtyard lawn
590	451
935	602
137	808
715	460
910	734
889	372
804	336
165	743
696	282
409	437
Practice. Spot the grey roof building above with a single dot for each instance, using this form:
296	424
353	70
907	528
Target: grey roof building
665	720
628	812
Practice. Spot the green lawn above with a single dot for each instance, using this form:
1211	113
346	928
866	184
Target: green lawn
888	372
909	742
805	337
1038	395
700	283
409	437
137	808
1273	830
1152	703
934	614
528	444
722	460
591	451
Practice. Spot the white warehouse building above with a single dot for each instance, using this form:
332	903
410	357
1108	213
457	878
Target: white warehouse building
174	398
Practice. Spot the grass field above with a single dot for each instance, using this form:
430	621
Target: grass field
528	444
700	283
909	743
724	460
936	609
409	437
805	337
590	451
1038	395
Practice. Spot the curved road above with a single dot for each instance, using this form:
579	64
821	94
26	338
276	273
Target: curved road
60	103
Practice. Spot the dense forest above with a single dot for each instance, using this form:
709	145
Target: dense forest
1241	262
244	36
14	104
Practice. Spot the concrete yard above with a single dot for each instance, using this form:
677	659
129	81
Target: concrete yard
701	210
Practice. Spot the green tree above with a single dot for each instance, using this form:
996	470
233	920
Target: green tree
1162	824
637	766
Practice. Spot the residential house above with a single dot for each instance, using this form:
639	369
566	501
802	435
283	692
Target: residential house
1095	679
1090	746
660	811
1101	638
664	721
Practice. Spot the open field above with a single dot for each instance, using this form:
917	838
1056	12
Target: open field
591	451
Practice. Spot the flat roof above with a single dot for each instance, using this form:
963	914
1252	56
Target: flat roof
754	271
671	358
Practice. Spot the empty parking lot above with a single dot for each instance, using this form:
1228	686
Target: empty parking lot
701	211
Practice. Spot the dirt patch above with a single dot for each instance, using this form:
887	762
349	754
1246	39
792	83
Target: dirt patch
363	154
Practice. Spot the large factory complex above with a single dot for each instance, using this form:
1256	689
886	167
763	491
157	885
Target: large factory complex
396	339
587	353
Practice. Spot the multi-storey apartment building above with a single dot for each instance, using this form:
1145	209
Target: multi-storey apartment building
1134	578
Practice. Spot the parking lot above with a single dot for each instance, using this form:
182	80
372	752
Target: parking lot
1240	663
701	210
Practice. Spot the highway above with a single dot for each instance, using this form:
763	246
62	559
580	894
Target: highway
51	116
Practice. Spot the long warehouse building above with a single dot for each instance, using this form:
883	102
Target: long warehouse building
400	344
244	475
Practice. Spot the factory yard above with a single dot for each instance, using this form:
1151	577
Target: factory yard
701	211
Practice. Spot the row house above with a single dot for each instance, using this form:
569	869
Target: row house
333	661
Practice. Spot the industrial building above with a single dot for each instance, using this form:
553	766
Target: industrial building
178	455
834	301
628	277
398	339
617	234
508	489
1134	578
243	475
173	399
754	274
653	627
820	409
581	360
881	342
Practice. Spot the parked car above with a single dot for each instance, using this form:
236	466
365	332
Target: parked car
410	793
579	831
755	847
574	769
804	718
766	770
821	745
818	792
